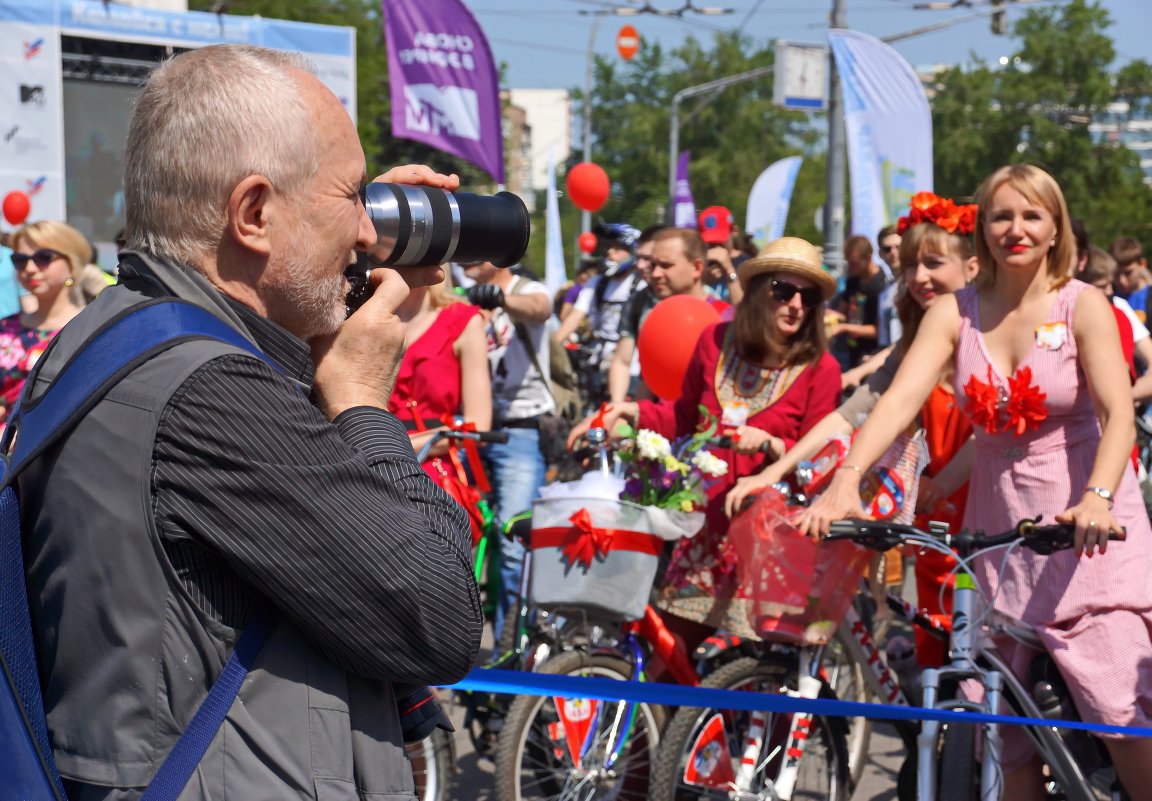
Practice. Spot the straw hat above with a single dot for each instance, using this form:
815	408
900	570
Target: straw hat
789	254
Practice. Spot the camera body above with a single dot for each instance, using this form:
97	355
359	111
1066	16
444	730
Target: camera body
419	226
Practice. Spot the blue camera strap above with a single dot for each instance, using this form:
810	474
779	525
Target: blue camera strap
120	346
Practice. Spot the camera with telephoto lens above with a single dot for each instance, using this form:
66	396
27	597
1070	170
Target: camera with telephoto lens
419	226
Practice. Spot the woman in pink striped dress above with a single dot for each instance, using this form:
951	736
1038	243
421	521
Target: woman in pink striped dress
1037	358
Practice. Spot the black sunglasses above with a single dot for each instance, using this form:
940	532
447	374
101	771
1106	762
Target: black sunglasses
784	292
42	258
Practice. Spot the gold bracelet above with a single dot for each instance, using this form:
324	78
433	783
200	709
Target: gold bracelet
857	468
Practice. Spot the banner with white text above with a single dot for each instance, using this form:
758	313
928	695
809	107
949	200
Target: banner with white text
444	87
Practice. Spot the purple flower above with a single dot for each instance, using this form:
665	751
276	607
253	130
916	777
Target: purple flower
633	488
668	479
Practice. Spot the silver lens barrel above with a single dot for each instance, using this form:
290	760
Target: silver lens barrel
419	225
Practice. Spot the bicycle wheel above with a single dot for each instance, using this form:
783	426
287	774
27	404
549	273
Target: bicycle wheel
433	766
958	769
702	749
561	749
846	678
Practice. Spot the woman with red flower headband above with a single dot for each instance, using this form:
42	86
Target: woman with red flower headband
1037	358
936	259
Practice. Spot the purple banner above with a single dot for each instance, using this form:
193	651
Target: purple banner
444	87
683	207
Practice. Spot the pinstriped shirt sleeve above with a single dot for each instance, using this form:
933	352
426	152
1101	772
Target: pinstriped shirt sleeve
337	524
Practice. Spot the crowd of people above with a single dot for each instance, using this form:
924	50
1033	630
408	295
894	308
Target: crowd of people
230	481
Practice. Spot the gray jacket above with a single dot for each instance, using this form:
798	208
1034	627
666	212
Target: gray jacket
125	655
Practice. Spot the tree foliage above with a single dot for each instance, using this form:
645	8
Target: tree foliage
732	134
1038	109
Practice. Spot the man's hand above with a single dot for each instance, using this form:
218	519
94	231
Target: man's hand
357	365
486	296
419	175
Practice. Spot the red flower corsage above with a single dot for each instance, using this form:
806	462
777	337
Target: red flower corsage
982	404
1025	407
1022	409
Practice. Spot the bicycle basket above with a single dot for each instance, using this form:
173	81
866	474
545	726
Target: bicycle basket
600	554
796	590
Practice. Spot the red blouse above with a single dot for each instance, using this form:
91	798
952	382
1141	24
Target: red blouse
430	370
716	376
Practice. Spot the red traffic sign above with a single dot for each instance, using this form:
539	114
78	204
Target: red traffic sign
627	42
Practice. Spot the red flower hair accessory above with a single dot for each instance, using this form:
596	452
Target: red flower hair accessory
940	211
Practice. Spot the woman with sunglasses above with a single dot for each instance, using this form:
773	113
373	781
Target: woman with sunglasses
767	377
47	256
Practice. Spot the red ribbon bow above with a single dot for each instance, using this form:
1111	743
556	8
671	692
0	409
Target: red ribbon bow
584	542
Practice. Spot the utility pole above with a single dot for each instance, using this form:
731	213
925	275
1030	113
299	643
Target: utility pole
586	216
834	203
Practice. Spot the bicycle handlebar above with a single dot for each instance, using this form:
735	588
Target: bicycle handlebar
496	437
882	536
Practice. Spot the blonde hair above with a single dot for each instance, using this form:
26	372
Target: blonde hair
443	294
58	236
1037	187
207	119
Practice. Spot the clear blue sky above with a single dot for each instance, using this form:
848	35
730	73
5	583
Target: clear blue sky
544	42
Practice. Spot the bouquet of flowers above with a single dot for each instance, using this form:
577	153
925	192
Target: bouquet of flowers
596	542
669	476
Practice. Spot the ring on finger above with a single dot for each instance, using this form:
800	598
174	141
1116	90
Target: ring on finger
1092	524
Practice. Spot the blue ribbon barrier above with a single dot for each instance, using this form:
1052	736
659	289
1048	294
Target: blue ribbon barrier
545	684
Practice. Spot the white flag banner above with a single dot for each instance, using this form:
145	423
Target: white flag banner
769	200
889	129
554	274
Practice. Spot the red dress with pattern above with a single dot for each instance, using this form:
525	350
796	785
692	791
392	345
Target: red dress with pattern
20	347
1094	615
701	581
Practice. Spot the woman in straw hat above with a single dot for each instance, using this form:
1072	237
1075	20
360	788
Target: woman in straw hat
768	377
1036	358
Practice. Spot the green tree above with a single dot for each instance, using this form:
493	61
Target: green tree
1038	109
732	135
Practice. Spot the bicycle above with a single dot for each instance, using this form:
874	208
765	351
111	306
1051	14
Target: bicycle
583	749
962	761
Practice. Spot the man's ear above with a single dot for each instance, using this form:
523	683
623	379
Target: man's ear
698	268
251	206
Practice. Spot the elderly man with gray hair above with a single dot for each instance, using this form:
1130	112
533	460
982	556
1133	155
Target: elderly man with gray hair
209	482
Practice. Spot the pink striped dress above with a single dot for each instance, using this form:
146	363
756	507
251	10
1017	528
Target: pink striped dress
1093	614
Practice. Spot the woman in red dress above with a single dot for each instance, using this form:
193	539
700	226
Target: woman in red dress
444	372
767	377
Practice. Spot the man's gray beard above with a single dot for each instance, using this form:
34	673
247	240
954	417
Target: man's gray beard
317	306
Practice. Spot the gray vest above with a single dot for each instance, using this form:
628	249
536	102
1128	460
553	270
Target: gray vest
126	656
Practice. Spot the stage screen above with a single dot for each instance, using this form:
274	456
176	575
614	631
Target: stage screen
95	130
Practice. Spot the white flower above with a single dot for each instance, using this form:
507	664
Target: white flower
709	464
651	445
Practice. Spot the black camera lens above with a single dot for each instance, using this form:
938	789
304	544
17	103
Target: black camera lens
418	226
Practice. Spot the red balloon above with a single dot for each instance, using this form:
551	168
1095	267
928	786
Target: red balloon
587	242
668	339
16	207
588	186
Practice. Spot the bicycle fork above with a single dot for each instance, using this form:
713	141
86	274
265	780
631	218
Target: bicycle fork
963	666
753	760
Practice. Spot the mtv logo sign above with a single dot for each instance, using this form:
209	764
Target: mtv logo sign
450	110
